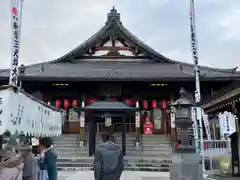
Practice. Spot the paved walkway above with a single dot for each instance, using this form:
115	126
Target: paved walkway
127	175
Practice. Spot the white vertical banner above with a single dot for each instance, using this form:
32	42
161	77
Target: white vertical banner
172	116
206	124
16	11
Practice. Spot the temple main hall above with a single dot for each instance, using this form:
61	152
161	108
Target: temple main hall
116	65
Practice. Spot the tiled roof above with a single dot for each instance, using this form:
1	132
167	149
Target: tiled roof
117	71
158	67
226	93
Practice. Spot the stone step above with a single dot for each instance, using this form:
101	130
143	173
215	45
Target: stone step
151	169
129	148
74	141
98	141
126	158
85	149
156	145
86	137
129	153
130	159
84	164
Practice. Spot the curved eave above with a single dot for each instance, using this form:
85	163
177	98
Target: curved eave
223	98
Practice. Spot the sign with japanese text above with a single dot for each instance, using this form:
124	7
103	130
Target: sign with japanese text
227	123
16	8
20	113
148	127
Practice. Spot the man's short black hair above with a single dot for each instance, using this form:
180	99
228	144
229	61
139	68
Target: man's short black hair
105	136
46	142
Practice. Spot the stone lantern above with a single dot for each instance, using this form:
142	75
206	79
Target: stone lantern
186	163
183	121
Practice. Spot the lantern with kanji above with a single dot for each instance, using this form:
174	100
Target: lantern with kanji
58	103
74	103
154	104
66	103
145	104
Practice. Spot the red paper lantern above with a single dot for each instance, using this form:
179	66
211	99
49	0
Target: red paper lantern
95	99
132	102
114	98
89	101
66	104
126	101
145	104
58	104
74	103
176	146
164	104
154	104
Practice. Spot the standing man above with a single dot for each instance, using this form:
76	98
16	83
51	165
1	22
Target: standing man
50	158
109	161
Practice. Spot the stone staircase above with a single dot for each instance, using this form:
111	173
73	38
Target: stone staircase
154	153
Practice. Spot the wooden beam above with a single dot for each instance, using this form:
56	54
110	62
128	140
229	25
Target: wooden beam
115	48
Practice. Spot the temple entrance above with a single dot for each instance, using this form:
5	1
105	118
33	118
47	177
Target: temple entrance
116	125
108	116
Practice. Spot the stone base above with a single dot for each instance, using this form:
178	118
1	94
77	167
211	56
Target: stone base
186	166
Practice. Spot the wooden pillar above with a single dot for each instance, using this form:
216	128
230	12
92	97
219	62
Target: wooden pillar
137	124
94	129
90	137
82	126
124	135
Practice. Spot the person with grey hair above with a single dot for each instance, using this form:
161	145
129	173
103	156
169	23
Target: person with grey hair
30	171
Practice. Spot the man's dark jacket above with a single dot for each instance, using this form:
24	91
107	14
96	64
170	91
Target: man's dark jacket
50	164
109	162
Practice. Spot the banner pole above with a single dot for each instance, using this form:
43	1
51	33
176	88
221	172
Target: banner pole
197	81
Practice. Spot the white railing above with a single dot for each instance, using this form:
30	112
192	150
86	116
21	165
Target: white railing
213	149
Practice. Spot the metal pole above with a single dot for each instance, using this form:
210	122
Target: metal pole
197	73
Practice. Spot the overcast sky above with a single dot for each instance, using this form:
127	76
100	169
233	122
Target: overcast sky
51	28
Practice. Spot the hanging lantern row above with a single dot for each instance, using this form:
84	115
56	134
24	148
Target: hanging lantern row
66	103
154	104
129	101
